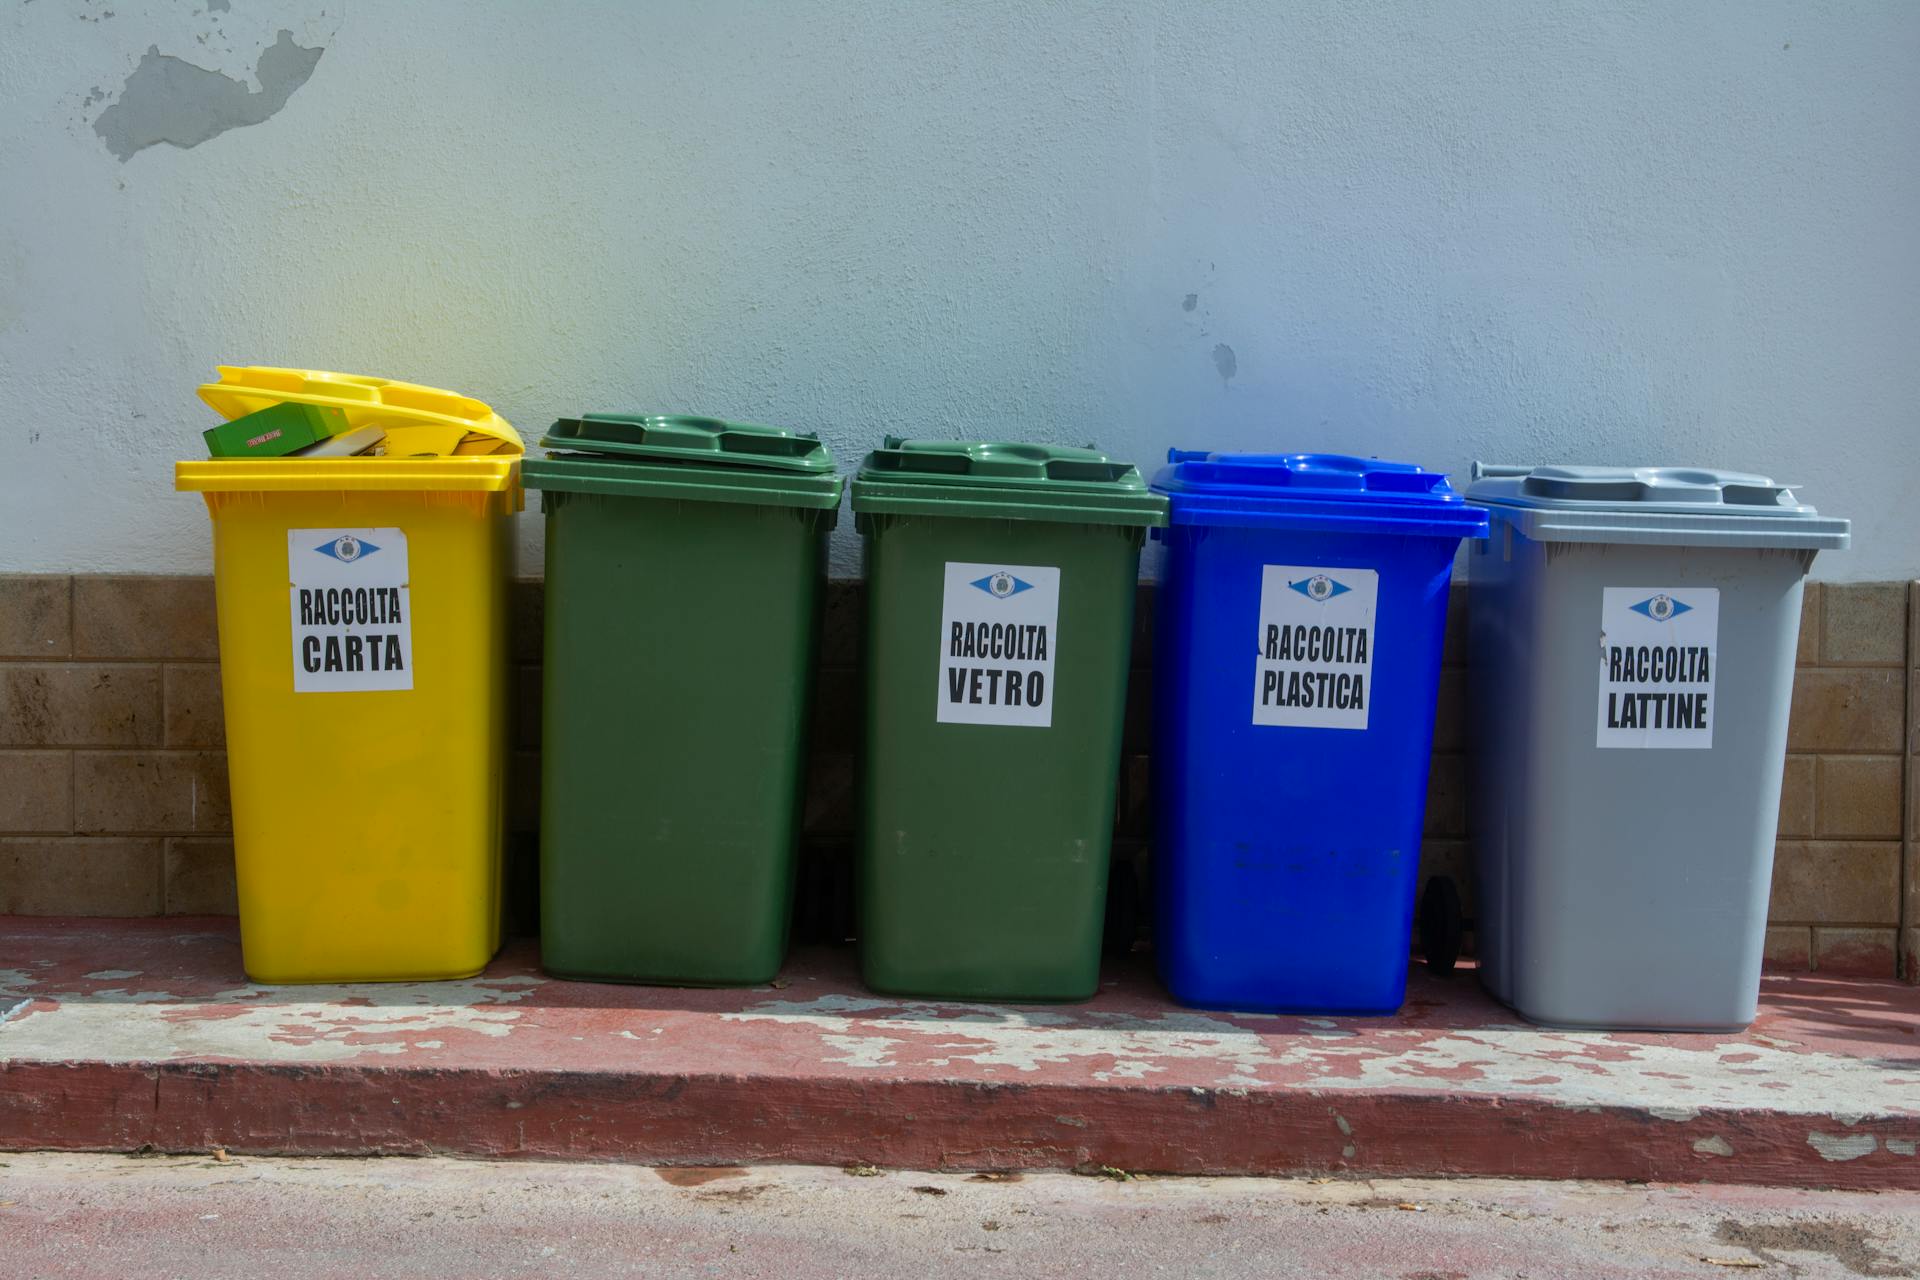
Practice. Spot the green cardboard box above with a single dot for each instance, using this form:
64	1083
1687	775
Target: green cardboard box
275	431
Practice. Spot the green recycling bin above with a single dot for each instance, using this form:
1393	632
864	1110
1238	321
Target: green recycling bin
685	559
1000	581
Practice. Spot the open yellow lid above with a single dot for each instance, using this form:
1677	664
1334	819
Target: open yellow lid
419	421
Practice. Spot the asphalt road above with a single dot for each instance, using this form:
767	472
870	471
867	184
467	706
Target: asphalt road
204	1218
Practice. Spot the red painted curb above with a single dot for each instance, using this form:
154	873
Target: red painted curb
297	1110
125	1035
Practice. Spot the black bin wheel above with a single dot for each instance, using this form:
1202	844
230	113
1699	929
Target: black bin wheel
1441	924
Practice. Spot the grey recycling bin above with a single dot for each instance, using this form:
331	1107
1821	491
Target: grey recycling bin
1632	640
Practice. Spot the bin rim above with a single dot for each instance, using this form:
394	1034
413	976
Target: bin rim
1651	529
647	478
1314	493
481	473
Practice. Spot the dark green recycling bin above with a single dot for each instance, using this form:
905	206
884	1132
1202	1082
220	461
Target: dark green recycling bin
684	565
1000	583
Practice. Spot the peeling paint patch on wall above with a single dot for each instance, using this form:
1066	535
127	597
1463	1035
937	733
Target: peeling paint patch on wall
167	99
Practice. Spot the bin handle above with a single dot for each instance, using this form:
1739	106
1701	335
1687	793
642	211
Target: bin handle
1496	470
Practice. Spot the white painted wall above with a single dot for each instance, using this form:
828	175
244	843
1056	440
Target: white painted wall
1600	232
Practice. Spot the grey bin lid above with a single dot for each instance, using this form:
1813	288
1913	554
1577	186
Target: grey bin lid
1670	506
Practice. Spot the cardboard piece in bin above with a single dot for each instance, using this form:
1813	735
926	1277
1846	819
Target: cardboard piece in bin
369	442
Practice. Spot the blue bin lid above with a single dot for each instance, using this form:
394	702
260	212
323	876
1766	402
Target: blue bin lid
1314	493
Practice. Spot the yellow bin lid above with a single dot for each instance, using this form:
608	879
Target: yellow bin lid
419	420
437	440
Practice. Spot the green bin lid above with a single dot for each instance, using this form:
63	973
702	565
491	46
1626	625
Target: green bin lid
682	438
998	480
686	458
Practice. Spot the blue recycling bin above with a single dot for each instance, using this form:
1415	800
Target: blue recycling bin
1296	667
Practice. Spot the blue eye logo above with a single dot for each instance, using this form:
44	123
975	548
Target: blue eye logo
1320	588
346	548
1001	585
1661	608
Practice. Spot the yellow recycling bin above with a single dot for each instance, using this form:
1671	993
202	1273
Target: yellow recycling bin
363	648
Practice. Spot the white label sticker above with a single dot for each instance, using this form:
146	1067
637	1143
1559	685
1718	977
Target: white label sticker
998	634
1658	648
352	614
1314	653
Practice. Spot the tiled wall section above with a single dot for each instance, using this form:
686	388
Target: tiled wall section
1837	874
113	791
113	780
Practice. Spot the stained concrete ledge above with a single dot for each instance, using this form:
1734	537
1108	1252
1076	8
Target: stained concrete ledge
116	1035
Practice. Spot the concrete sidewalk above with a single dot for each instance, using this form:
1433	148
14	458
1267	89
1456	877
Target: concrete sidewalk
246	1217
123	1035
